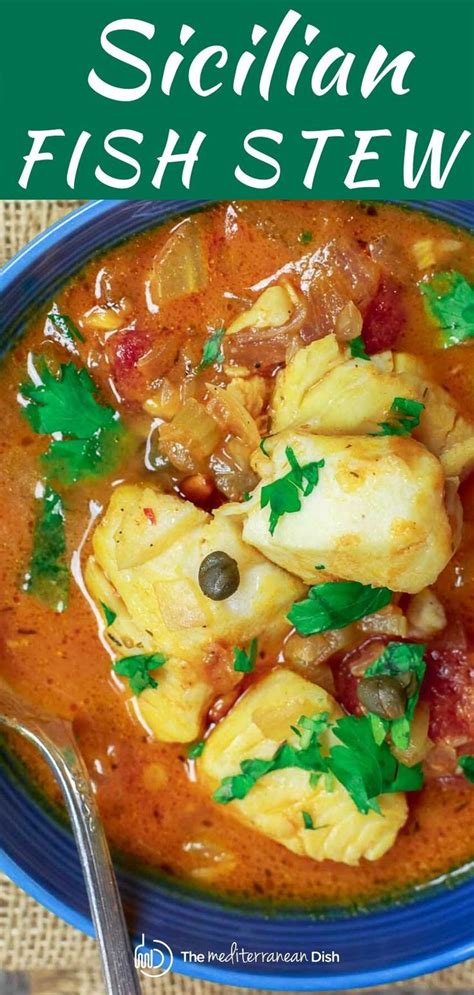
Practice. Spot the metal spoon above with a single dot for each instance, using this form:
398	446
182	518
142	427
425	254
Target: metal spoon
55	741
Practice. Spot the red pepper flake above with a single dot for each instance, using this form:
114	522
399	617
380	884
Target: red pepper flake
150	514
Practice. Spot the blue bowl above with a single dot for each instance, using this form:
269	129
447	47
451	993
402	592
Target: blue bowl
430	929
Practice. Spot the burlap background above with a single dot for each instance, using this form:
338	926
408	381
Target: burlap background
58	959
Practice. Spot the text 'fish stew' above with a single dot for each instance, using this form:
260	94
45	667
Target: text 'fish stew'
238	545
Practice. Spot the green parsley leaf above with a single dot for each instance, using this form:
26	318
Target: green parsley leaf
335	604
70	460
283	495
310	729
357	348
137	670
329	781
196	749
66	326
320	566
47	576
212	352
407	415
396	659
307	820
67	405
449	301
366	769
244	662
109	615
261	445
466	763
239	785
304	237
379	727
246	496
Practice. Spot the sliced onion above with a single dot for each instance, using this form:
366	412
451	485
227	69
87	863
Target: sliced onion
181	266
389	621
230	465
305	654
165	403
368	653
230	413
348	323
391	258
420	743
190	438
337	273
425	615
264	348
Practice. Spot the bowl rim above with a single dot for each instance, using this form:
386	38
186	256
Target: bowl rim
13	270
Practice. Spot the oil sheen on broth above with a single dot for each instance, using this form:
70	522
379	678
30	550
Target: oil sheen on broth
147	311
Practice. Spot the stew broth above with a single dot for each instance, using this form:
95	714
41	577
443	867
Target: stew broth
153	808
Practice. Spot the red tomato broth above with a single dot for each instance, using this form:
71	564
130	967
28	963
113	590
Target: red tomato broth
152	811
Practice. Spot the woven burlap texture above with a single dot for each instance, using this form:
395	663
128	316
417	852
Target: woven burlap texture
62	960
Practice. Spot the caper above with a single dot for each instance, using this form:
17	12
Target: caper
219	576
382	695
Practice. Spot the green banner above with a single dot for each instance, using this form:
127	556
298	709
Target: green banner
238	99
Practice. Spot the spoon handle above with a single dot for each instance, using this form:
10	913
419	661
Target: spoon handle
56	742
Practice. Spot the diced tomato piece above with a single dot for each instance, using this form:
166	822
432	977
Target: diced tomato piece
384	317
150	514
448	687
138	358
346	686
349	671
130	347
125	350
202	491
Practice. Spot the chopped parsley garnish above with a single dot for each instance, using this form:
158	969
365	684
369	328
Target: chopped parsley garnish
109	615
47	576
261	445
67	405
406	417
365	768
335	604
357	348
466	763
304	237
212	352
397	659
195	750
246	496
137	670
449	300
66	327
283	495
307	820
244	662
320	566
